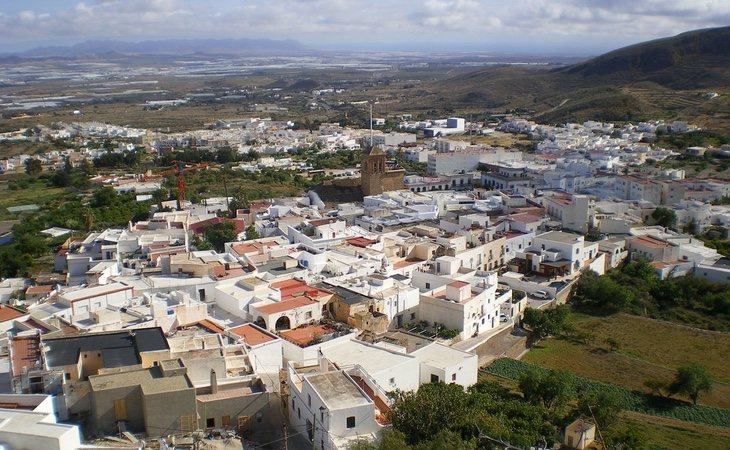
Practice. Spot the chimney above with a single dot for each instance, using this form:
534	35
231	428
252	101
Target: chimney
213	382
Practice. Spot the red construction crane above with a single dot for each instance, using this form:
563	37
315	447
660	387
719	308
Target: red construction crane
179	168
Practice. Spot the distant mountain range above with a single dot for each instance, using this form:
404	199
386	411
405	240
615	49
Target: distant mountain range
165	47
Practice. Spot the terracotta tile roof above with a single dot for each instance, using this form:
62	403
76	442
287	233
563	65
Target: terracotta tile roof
38	290
524	217
37	324
651	242
24	351
458	284
9	313
251	334
285	305
292	288
360	242
253	247
304	335
210	326
320	222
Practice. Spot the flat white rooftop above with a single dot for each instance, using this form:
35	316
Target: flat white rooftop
371	358
441	356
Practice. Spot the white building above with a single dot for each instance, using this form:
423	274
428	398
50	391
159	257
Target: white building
30	424
467	160
471	309
449	365
560	253
330	407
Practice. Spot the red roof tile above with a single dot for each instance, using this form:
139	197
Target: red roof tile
253	247
295	288
210	326
24	351
9	313
251	334
360	242
285	305
38	290
304	335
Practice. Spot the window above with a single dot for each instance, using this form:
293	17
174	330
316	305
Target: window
428	285
299	413
66	376
226	421
453	377
413	316
308	315
351	422
434	378
309	400
210	422
392	380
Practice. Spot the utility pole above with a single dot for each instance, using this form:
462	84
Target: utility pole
286	437
314	430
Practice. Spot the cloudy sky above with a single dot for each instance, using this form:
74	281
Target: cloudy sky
533	26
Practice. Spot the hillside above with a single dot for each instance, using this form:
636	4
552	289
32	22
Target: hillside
665	78
691	60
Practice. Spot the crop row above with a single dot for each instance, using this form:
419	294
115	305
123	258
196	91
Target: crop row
632	400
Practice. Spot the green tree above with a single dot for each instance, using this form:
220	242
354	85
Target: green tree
220	233
68	166
226	155
664	217
691	380
447	440
543	323
105	196
61	178
434	407
626	438
604	406
239	201
642	270
33	167
201	244
602	292
551	389
251	233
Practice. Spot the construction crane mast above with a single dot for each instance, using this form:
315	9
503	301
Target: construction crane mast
178	168
180	185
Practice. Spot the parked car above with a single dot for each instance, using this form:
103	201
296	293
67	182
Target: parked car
541	295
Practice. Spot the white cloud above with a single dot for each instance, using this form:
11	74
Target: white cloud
353	20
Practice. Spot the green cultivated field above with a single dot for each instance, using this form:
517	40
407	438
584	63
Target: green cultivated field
665	433
647	349
33	192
